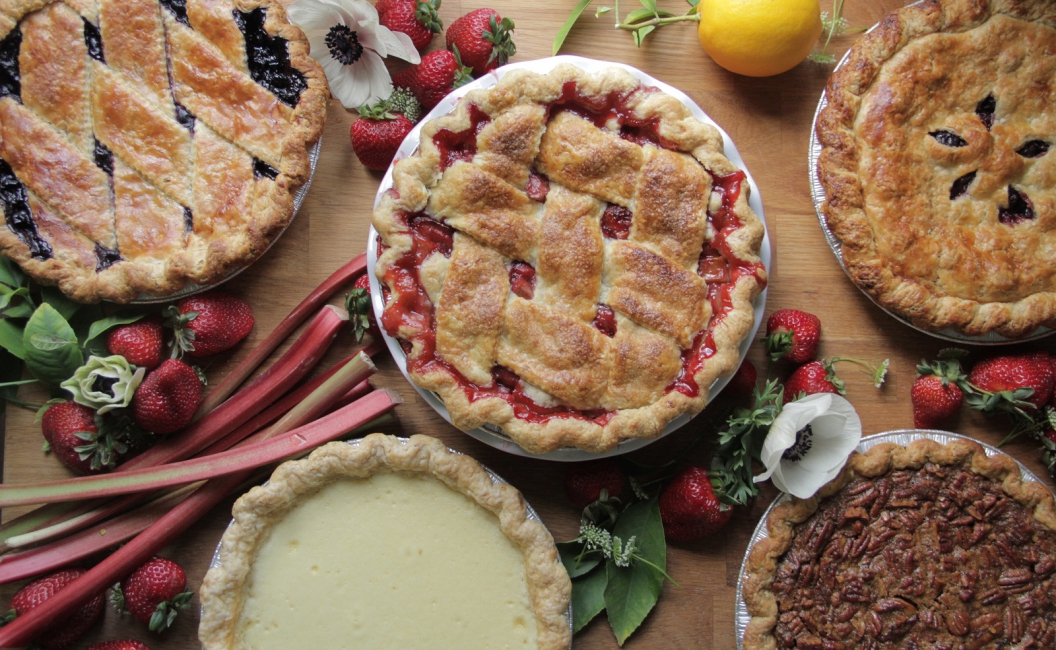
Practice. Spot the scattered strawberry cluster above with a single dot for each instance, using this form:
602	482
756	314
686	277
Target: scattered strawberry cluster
477	43
154	594
168	397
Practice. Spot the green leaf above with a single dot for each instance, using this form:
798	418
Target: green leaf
21	310
10	273
650	6
100	326
632	592
60	302
559	38
576	562
11	338
10	372
588	598
51	350
636	15
602	11
640	34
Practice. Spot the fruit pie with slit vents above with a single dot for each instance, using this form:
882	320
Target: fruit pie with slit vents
146	144
570	257
938	169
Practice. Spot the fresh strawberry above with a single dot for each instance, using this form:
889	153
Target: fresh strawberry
168	398
120	644
377	134
584	482
438	74
742	384
360	312
70	431
689	508
141	343
208	323
417	19
1007	379
793	335
64	633
810	378
154	593
934	401
383	6
482	38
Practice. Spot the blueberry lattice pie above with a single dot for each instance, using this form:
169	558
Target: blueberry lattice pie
146	143
938	167
569	257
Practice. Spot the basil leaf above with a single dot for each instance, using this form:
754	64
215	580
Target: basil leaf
632	592
588	598
574	564
60	302
21	310
10	273
559	38
100	326
11	338
51	350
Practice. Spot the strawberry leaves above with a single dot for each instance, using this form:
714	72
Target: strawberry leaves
502	45
357	304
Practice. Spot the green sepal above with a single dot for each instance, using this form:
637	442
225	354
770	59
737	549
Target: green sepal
166	612
379	110
502	45
8	617
117	599
182	336
463	74
427	14
778	344
357	304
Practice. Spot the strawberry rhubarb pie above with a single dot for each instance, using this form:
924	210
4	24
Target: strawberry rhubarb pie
388	543
570	257
147	143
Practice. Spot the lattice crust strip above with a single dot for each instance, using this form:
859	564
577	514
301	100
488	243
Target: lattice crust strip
145	144
545	330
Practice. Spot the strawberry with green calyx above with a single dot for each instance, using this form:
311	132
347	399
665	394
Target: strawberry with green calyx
142	343
438	74
483	38
377	134
85	441
743	382
64	633
594	480
938	391
1013	384
360	312
792	335
154	593
812	378
404	102
418	19
208	323
168	398
689	507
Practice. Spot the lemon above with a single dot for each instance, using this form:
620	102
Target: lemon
759	38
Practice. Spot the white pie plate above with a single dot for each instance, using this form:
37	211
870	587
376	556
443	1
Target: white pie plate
191	288
817	194
496	479
493	435
900	437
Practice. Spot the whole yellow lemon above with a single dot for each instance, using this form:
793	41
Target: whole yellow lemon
759	38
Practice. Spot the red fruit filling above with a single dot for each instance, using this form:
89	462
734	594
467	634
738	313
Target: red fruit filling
616	222
538	187
460	145
522	280
605	321
612	108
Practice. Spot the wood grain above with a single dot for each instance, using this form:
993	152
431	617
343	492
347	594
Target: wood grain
769	119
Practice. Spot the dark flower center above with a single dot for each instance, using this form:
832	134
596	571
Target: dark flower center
801	446
104	385
344	44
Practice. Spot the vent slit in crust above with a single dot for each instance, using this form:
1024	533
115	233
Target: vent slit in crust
10	78
94	41
19	218
262	169
178	9
269	59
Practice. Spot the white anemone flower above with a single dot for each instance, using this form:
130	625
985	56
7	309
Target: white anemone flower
809	443
349	43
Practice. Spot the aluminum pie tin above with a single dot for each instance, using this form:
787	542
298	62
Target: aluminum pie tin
495	479
900	437
493	435
191	288
817	194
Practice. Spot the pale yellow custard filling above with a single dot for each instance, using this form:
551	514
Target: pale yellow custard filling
392	561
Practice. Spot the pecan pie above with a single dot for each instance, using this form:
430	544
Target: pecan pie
388	543
925	546
147	143
571	257
938	168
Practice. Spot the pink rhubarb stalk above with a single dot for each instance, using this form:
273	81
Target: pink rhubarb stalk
245	368
292	443
124	560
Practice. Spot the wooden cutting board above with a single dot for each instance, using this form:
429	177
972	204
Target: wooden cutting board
769	120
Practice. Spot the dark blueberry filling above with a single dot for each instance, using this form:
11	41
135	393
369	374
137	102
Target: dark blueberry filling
985	110
961	185
948	138
178	8
10	77
269	58
1033	149
262	169
1019	208
15	199
104	158
184	117
188	220
106	257
94	40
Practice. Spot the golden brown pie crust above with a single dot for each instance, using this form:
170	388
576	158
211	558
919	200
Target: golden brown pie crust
876	462
256	511
70	100
923	73
650	279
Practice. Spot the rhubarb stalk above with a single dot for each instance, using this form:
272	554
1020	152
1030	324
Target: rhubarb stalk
245	368
138	550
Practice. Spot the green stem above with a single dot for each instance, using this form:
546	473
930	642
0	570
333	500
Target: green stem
639	558
29	405
657	22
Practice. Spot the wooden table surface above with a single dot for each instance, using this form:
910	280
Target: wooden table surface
769	120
